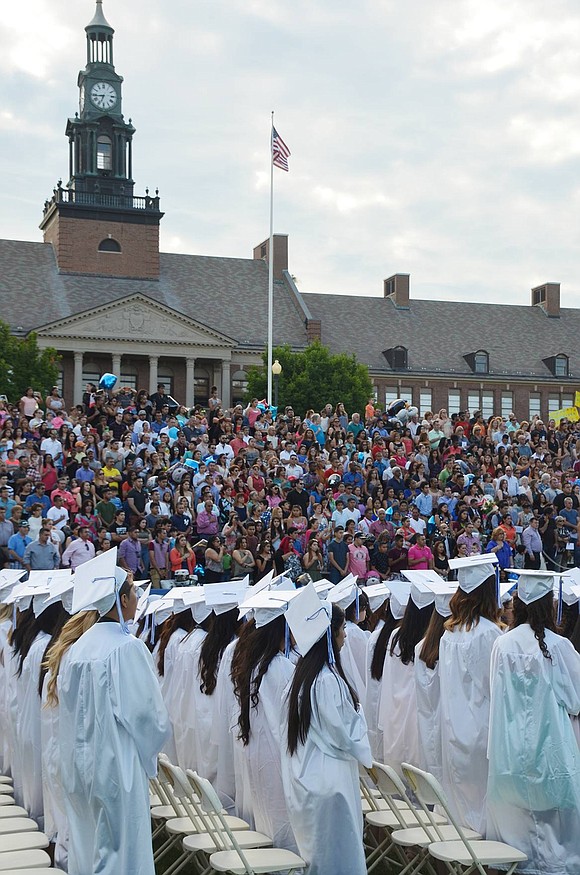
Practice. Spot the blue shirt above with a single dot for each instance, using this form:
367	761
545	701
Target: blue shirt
44	501
18	544
424	501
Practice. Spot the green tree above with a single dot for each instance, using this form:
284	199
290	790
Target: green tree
313	378
23	364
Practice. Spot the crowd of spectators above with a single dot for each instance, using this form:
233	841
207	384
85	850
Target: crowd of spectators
219	493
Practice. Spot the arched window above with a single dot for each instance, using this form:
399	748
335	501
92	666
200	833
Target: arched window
104	153
481	362
561	365
109	244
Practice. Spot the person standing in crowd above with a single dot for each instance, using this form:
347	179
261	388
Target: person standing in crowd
533	800
464	674
106	762
532	541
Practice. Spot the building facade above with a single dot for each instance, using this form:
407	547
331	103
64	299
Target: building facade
99	291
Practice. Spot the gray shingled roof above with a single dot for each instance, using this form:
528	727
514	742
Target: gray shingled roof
438	334
227	294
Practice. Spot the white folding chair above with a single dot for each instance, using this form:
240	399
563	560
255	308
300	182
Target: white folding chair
22	841
13	825
462	854
234	858
22	862
197	830
6	799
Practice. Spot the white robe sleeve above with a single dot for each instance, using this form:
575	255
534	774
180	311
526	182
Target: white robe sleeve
345	728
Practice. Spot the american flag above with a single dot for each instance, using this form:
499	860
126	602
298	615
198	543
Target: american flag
280	151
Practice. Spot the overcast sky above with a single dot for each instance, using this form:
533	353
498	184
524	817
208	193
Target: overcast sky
440	139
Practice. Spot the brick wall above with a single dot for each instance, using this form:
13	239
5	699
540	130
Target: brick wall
76	243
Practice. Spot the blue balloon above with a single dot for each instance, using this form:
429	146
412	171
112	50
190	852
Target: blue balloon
107	381
274	412
173	432
199	570
191	463
262	407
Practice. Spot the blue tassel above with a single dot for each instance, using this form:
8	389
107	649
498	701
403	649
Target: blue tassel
559	617
14	610
497	587
287	647
357	604
330	647
152	632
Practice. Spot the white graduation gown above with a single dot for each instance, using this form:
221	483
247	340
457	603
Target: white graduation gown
224	708
5	627
398	711
428	698
28	737
12	717
167	685
464	666
321	781
372	699
263	754
55	820
112	726
533	800
349	658
357	640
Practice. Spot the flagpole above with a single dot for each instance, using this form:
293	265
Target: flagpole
271	269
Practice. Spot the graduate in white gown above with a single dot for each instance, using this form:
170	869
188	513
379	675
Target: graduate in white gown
353	656
375	659
112	726
533	800
326	741
398	708
464	671
5	630
427	687
174	629
261	673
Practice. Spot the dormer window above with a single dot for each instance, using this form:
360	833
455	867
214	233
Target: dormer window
397	357
109	244
478	361
558	365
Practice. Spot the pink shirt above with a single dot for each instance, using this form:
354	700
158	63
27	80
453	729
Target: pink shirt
358	559
422	553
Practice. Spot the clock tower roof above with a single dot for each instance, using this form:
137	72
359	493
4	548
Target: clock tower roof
99	22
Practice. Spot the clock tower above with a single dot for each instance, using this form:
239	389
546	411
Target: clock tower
95	223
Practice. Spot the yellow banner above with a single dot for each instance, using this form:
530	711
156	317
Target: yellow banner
570	413
577	399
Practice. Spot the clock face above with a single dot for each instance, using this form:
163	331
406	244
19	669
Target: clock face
103	95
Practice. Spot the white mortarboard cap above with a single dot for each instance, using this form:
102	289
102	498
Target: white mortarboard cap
533	585
400	591
223	597
377	594
443	590
570	586
472	571
97	583
142	604
194	599
308	618
161	608
282	582
9	577
61	583
344	593
270	604
322	586
35	590
264	583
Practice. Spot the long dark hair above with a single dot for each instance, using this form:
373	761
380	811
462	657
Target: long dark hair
181	620
569	618
307	670
467	608
28	627
539	615
429	653
575	636
411	631
223	630
256	652
380	651
60	617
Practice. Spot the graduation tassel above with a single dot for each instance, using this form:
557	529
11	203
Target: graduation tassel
497	587
559	617
152	630
287	647
330	647
122	621
357	604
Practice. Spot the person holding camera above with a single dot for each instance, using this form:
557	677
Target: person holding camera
214	559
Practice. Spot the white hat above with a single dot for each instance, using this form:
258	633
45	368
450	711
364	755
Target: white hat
400	592
193	597
142	603
97	583
264	582
472	571
9	577
282	582
268	605
322	586
61	583
444	590
344	593
570	586
423	584
223	597
161	608
309	619
35	590
534	585
377	594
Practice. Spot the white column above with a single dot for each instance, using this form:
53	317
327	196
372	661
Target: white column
116	367
226	385
78	379
153	362
189	382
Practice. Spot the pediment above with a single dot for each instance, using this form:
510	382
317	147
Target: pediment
136	318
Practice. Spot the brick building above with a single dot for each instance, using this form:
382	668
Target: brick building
99	290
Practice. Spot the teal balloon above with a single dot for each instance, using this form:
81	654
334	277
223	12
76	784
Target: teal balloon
108	381
172	432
